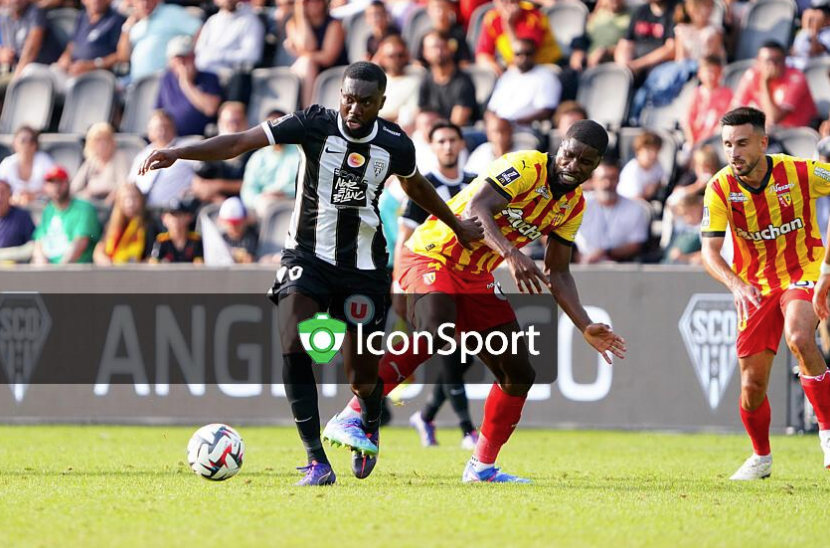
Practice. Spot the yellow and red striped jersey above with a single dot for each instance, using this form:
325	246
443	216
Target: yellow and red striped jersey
534	210
776	235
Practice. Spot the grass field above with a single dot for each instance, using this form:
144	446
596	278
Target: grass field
88	486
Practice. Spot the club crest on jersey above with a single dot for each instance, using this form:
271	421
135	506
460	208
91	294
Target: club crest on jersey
429	278
348	189
379	166
785	200
508	176
359	309
515	218
737	197
355	160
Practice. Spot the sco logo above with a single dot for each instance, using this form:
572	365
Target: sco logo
24	326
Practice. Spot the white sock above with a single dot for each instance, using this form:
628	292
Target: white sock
349	413
764	458
479	466
824	435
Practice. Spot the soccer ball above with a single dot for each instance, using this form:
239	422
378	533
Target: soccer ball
215	452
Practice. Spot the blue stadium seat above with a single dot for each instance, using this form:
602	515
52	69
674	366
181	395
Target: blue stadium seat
139	104
567	21
273	88
605	92
765	20
89	99
327	87
29	100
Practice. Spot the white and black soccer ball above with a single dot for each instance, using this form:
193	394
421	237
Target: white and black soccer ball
215	452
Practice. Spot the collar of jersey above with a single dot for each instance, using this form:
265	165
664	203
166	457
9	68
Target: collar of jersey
764	182
346	136
449	182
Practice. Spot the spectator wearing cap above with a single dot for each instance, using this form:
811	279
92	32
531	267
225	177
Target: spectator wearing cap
129	234
191	96
147	32
162	185
813	40
509	19
69	227
178	244
237	232
26	168
442	18
445	89
780	91
16	228
270	175
216	180
231	39
526	92
94	42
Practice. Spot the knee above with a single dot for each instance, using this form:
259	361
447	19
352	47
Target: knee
519	381
753	393
800	341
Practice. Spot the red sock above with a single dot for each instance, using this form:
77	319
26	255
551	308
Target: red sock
501	415
396	369
757	426
818	392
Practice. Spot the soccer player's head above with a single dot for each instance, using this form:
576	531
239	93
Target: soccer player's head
447	142
361	97
580	152
744	138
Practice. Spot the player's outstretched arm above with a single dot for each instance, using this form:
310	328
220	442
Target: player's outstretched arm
745	295
484	205
221	147
563	287
423	193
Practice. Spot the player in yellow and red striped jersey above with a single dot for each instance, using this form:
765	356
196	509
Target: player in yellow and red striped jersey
522	197
768	204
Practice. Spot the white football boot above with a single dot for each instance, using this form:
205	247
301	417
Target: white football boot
754	468
824	437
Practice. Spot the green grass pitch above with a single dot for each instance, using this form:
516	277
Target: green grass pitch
89	486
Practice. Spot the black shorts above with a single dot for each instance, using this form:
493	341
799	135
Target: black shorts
350	295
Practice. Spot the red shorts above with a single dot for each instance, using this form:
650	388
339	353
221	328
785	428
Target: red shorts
480	302
763	328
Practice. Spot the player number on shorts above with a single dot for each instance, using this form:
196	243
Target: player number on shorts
294	273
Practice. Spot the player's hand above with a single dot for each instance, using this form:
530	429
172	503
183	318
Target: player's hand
528	277
158	159
604	340
468	231
745	296
820	297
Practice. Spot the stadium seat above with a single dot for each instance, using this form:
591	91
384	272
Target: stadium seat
717	145
523	140
567	20
800	141
139	104
357	33
61	23
273	228
605	92
66	150
129	144
765	20
733	72
273	88
89	99
415	29
327	87
29	101
818	78
484	80
668	152
670	116
476	19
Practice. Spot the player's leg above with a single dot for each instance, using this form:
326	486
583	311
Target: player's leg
301	386
422	420
502	408
800	333
457	395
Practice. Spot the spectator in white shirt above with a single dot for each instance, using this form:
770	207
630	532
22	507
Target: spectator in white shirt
230	39
26	168
643	175
526	92
499	142
614	228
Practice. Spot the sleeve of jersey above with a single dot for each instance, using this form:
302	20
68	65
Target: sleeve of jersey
291	128
414	215
715	221
511	175
403	162
819	173
566	232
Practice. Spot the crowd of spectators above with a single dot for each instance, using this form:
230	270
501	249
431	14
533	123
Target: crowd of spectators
204	52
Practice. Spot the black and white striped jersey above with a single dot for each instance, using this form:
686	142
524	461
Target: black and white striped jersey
339	183
414	215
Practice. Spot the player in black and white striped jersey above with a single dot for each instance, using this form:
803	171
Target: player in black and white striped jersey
335	257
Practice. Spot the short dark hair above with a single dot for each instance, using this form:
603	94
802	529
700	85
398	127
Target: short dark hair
610	160
444	124
589	133
366	72
712	59
567	107
773	44
745	115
